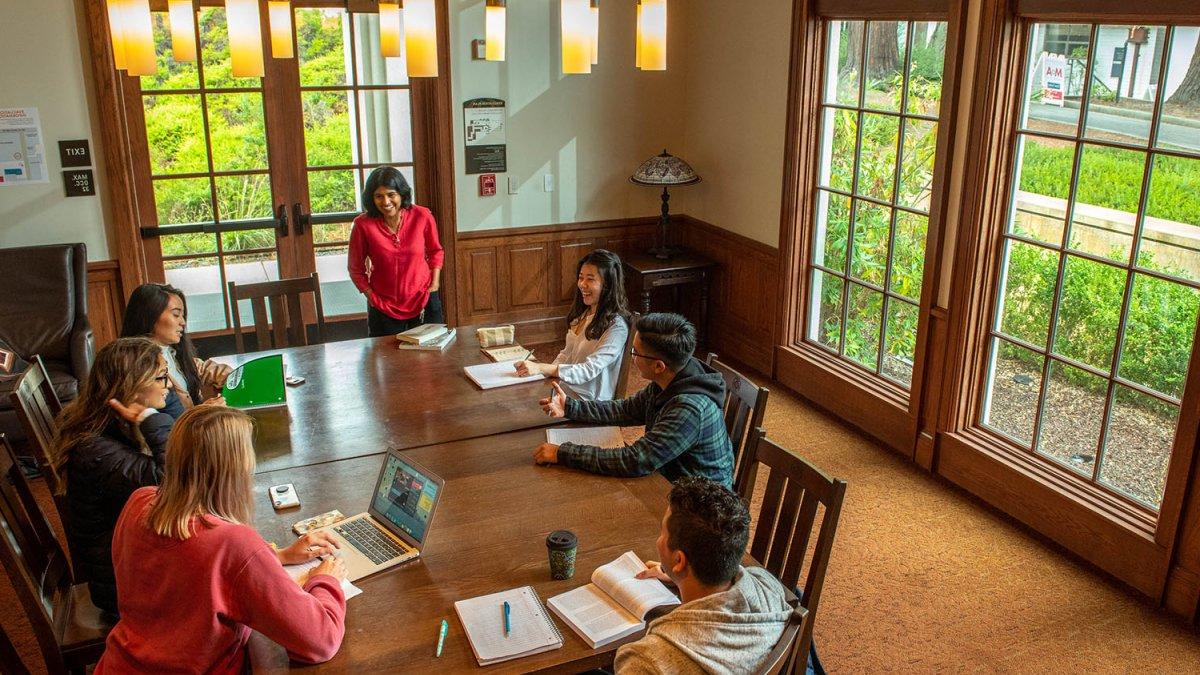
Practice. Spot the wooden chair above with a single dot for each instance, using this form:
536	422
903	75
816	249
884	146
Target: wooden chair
626	359
37	407
784	523
287	319
783	659
745	405
68	627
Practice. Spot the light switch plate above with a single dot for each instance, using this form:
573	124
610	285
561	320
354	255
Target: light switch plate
513	184
548	182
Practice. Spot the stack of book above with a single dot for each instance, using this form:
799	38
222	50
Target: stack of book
427	337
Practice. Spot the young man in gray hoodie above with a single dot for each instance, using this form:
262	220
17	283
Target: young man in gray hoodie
731	616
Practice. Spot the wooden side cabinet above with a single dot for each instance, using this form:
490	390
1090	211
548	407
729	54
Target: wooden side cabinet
644	274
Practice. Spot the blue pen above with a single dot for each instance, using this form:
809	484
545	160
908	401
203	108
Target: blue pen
507	612
442	637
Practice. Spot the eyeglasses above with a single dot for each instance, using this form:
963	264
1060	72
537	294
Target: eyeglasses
633	352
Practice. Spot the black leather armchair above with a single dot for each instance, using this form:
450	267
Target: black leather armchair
43	310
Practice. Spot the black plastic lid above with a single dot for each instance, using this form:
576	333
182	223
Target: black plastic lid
562	540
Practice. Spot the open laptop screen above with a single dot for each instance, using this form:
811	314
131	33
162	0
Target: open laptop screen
405	496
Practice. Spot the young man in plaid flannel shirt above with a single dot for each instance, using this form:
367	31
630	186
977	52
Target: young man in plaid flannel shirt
681	409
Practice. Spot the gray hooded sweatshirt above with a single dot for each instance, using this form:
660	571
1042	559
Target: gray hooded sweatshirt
728	632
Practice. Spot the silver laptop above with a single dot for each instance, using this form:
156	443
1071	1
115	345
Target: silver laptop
396	524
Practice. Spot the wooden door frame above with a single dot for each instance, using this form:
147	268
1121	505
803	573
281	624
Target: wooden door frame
118	108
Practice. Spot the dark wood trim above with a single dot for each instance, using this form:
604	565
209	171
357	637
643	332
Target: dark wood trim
1111	11
581	226
884	10
106	301
118	166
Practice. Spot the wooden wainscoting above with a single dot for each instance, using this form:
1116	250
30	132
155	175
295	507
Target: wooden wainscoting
106	302
743	301
526	276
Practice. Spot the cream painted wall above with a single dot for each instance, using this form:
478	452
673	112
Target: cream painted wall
589	131
43	68
736	81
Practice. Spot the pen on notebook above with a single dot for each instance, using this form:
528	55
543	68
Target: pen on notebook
442	636
507	612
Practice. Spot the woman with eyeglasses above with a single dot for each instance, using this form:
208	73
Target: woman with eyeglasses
159	312
111	441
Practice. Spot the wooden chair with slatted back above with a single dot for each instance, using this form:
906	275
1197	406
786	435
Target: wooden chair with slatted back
783	526
783	659
287	319
626	359
69	628
10	660
37	407
745	406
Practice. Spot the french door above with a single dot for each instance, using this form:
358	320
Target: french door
256	179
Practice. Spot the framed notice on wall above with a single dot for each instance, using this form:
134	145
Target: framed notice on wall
483	131
21	157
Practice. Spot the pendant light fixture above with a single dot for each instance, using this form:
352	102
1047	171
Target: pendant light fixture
637	42
137	27
494	19
576	20
654	35
183	30
116	31
420	37
389	29
595	17
279	13
245	37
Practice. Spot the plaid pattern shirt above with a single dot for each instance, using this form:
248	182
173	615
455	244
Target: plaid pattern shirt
685	436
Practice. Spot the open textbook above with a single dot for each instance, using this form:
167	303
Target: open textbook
615	604
601	437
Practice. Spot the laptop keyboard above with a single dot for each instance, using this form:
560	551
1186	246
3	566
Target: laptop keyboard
367	538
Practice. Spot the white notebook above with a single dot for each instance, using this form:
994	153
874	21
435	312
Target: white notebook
349	590
500	374
531	630
601	437
615	604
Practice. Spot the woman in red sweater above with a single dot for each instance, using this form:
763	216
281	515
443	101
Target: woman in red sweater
395	257
194	578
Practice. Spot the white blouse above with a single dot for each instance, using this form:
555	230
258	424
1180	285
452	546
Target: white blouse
589	368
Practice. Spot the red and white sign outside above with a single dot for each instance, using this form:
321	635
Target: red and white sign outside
1054	78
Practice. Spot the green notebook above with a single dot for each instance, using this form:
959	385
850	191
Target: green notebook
256	384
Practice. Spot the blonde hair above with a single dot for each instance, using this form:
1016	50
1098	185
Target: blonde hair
122	369
209	471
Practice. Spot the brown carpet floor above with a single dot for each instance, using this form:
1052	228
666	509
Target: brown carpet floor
924	579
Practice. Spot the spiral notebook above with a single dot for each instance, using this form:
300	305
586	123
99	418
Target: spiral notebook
531	630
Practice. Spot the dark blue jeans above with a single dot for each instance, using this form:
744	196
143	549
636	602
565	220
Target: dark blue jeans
380	324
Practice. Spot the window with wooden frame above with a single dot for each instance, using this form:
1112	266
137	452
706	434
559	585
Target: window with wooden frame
1099	285
879	112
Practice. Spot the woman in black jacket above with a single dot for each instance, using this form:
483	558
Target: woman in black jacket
111	441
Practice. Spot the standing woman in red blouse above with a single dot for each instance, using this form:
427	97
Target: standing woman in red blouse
395	256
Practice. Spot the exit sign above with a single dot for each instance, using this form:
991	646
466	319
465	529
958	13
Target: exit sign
75	153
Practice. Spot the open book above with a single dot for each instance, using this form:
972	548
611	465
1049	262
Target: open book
615	604
508	353
436	345
501	374
601	437
298	572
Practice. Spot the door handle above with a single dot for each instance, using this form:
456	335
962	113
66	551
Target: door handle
302	219
281	220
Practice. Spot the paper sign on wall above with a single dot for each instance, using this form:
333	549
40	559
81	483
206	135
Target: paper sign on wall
22	159
483	131
1054	78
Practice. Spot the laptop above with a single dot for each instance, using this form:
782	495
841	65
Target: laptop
396	524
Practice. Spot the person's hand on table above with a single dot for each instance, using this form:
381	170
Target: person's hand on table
555	405
546	453
333	566
654	571
308	547
130	412
527	368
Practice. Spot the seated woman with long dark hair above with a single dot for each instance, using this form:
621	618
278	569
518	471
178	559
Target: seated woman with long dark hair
110	442
159	312
597	326
196	578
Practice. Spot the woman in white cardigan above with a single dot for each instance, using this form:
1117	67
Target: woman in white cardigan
597	326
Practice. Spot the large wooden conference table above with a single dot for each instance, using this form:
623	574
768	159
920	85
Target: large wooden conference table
363	396
488	535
